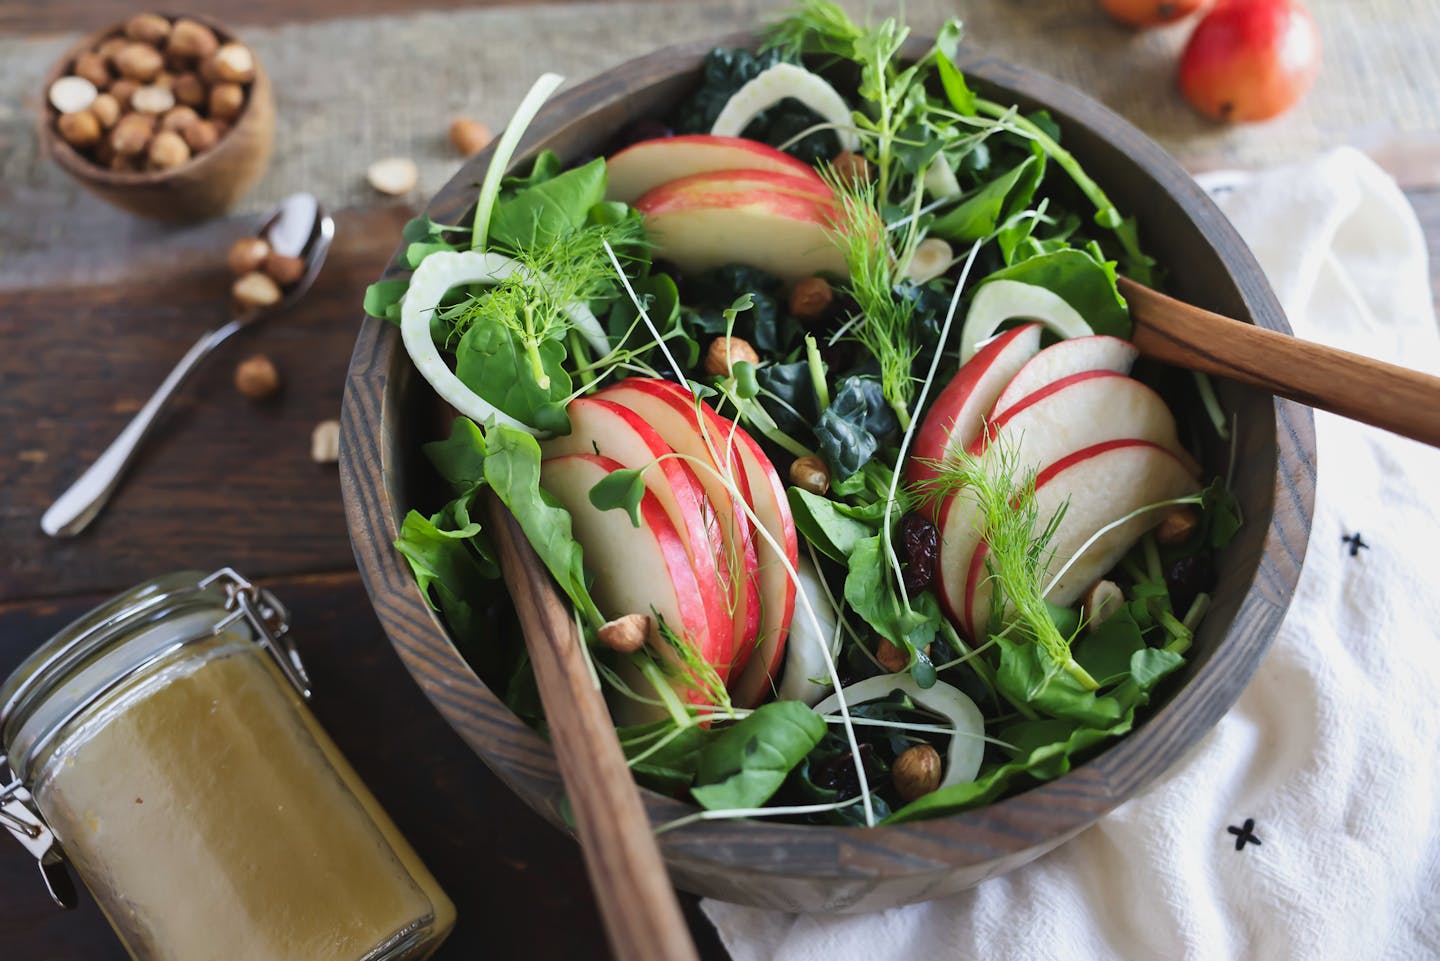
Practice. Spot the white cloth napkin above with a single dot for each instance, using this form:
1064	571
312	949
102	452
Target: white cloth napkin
1333	751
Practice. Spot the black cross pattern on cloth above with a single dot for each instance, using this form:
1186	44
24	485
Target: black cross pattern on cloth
1244	834
1356	543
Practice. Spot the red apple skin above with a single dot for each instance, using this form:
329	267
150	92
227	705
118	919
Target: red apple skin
1250	60
1151	13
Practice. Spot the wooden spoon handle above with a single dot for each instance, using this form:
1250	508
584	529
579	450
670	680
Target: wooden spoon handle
1371	391
641	913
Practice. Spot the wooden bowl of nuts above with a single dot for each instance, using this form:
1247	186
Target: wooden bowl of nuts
167	117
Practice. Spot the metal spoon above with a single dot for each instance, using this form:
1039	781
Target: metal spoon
298	227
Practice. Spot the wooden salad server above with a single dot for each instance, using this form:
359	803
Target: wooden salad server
1397	399
637	903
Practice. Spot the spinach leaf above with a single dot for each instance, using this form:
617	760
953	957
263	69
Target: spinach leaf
1083	281
977	217
491	361
382	299
823	523
855	425
1106	653
547	166
460	458
671	767
539	214
748	762
870	592
662	303
451	574
512	468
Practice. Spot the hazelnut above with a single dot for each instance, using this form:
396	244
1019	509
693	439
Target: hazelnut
205	70
1177	526
725	353
811	299
394	176
72	94
189	90
626	634
148	28
164	79
325	442
893	658
191	40
201	135
810	473
152	99
122	91
234	63
916	771
132	133
226	100
851	168
168	149
469	136
178	118
255	290
932	257
284	270
93	68
106	110
79	129
222	127
257	378
111	46
1100	601
139	62
247	254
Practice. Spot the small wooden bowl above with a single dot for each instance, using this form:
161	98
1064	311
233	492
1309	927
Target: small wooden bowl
388	411
206	185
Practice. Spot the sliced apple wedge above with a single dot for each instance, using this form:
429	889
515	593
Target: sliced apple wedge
768	502
678	425
609	430
743	181
643	166
703	227
956	417
1097	486
1080	411
636	570
1059	360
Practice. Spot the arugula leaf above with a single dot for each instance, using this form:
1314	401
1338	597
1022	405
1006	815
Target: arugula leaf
512	468
824	523
491	361
541	214
1106	653
746	764
460	458
952	81
978	216
1083	281
453	577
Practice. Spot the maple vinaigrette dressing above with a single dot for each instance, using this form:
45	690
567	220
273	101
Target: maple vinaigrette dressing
162	746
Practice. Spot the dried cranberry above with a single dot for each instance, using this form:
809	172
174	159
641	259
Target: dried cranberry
1187	577
838	773
920	552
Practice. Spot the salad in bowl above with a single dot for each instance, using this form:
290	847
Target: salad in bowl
814	396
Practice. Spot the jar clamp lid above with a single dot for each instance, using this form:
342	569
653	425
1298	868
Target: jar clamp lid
84	662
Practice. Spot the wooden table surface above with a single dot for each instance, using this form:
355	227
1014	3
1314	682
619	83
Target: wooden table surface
230	482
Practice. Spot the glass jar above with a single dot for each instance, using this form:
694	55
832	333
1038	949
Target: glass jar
162	741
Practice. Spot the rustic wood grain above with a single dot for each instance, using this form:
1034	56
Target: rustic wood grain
224	479
519	884
387	413
642	917
1360	388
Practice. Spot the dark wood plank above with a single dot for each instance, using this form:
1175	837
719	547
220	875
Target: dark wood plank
225	479
519	884
64	16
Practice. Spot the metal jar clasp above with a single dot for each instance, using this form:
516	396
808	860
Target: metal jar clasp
269	619
18	816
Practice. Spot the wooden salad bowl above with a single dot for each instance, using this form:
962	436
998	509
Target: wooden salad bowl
389	411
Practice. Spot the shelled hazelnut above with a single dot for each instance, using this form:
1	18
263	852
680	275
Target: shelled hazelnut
284	270
810	473
150	68
257	378
469	137
725	352
255	289
916	772
247	254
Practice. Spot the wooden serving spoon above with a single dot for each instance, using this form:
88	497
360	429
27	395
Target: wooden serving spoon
637	904
1404	401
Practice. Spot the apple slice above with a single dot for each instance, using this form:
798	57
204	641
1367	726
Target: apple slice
646	165
678	425
1074	356
701	227
611	431
957	415
635	570
744	181
1080	411
777	588
1098	486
